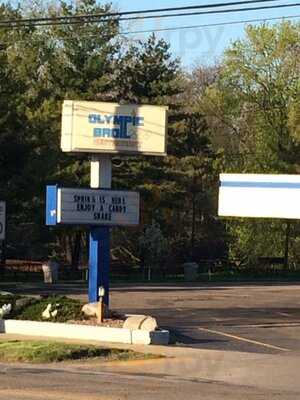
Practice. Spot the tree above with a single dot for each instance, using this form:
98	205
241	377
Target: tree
255	103
41	66
48	64
148	74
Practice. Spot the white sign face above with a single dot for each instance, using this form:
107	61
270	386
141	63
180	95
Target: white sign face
259	195
97	207
92	127
2	219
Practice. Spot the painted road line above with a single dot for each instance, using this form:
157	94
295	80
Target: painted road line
284	314
268	325
269	346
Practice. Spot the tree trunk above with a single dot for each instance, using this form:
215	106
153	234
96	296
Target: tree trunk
193	225
3	253
76	251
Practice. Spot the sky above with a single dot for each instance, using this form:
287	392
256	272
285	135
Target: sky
203	45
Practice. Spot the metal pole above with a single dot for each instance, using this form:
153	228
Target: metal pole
101	173
287	243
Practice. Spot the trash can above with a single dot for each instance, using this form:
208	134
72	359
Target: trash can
50	270
190	271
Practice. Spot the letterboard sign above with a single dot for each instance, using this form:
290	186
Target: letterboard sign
2	219
93	207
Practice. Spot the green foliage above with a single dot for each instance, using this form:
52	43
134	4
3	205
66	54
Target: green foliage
42	66
251	238
254	103
68	309
8	299
256	96
153	246
240	116
47	352
147	73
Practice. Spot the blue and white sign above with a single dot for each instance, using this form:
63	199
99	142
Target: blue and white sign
111	128
2	219
92	207
259	196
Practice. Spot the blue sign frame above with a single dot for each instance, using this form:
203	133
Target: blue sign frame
51	205
99	258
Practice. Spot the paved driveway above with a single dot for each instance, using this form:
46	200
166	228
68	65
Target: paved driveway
252	318
263	318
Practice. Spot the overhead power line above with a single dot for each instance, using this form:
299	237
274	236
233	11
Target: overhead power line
230	10
178	28
117	15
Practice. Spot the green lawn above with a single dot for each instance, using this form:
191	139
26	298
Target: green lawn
50	351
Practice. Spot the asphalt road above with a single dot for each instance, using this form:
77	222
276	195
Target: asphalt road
71	383
262	318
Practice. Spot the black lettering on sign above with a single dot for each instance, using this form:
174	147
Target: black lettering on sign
85	207
100	199
117	209
116	200
101	216
82	199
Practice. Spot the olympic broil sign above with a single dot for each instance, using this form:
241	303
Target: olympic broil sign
92	127
92	207
2	219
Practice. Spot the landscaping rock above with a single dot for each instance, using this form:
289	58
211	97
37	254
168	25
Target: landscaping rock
149	324
93	309
142	322
90	309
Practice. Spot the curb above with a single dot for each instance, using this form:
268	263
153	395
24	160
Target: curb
84	332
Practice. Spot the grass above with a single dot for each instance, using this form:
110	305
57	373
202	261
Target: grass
68	309
31	351
8	299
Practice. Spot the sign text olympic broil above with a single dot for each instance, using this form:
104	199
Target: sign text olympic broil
93	127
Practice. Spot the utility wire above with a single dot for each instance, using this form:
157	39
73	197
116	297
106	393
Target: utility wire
211	12
231	10
178	28
136	12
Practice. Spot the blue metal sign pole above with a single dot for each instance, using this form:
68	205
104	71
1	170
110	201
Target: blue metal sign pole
101	173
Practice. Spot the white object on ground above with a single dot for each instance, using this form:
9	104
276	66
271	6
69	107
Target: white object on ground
5	310
149	324
91	309
142	322
46	313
